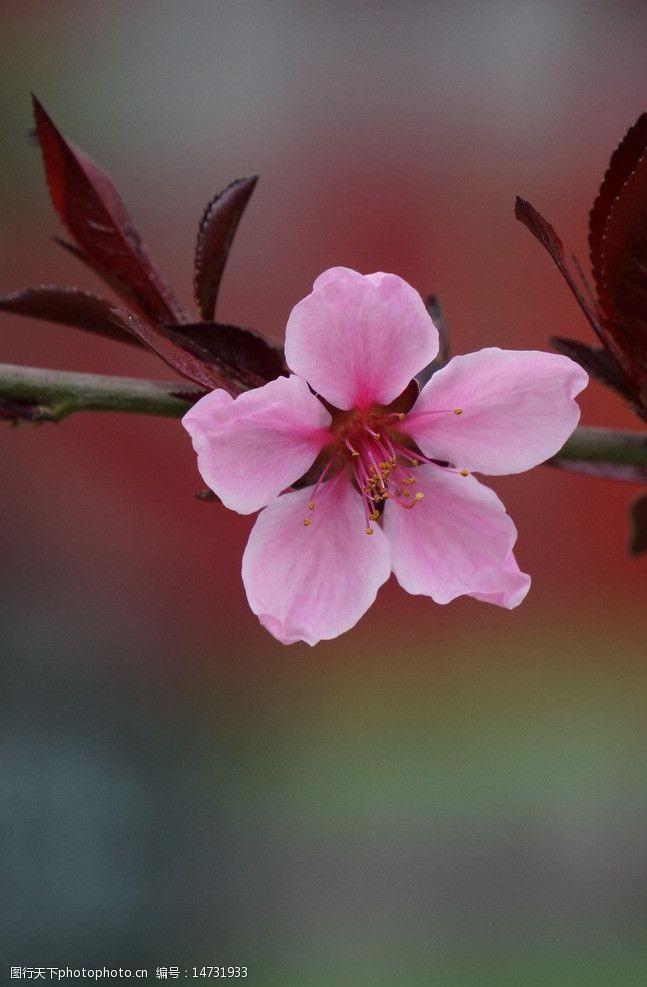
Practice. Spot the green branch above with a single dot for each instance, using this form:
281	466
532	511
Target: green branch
50	395
605	445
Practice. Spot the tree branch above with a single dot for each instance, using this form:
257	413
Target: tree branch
50	395
609	453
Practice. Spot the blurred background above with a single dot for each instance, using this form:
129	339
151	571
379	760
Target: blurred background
454	795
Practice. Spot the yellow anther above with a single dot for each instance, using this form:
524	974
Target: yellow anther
415	462
374	515
419	495
307	522
406	493
369	531
408	480
311	505
465	473
458	411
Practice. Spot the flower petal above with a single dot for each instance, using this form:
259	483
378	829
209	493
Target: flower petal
508	585
312	583
359	339
454	541
517	410
254	446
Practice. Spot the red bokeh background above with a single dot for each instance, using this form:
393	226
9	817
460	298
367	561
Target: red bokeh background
402	157
387	137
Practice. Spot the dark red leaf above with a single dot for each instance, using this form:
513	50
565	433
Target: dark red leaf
623	163
244	357
22	411
68	306
597	362
208	496
632	473
619	248
185	363
215	234
433	306
190	396
542	230
91	209
119	289
405	401
638	520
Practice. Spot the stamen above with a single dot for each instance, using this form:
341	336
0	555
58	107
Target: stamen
367	428
458	411
352	451
312	503
465	473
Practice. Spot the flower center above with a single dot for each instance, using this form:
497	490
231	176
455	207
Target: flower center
381	463
380	460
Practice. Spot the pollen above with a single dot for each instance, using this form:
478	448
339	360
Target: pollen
465	473
419	496
458	411
311	505
369	531
374	515
307	522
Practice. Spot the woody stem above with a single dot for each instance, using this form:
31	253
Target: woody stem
51	395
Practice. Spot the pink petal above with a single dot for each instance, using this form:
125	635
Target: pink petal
453	542
517	410
359	339
508	585
254	446
313	583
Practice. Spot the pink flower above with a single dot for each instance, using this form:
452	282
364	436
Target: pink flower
389	491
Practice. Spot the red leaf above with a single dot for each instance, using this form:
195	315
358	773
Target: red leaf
542	230
597	362
638	519
68	306
619	247
22	411
623	163
90	207
167	348
244	357
215	234
433	306
631	473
